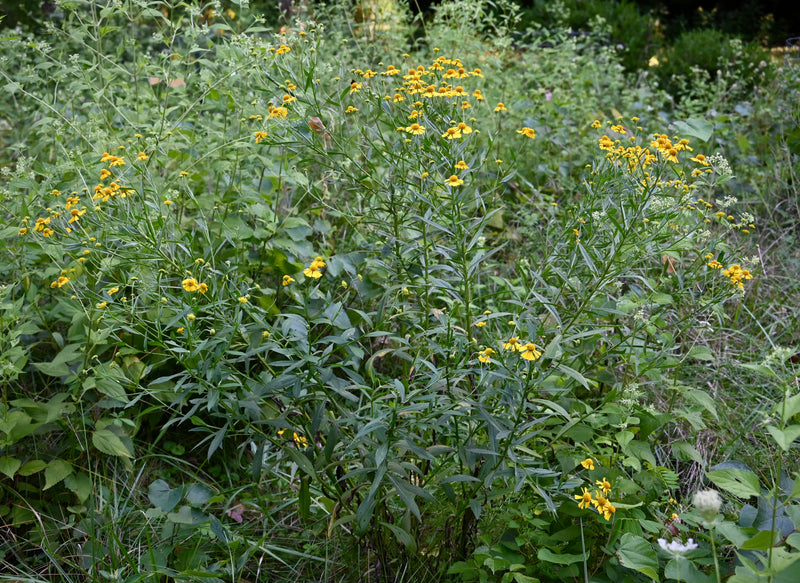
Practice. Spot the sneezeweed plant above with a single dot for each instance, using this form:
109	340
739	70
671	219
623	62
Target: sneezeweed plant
298	270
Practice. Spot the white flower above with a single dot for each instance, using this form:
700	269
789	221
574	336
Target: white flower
676	546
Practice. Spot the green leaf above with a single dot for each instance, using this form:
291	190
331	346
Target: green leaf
636	553
545	554
109	442
32	467
186	515
402	536
9	466
700	353
703	399
741	483
56	471
163	497
682	569
789	408
696	128
786	437
79	484
760	542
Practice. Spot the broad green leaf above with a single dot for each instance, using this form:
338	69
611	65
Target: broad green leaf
741	483
703	399
700	353
682	569
545	554
198	494
760	542
109	442
186	515
696	128
79	484
163	497
402	536
636	553
790	408
9	466
786	437
56	471
32	467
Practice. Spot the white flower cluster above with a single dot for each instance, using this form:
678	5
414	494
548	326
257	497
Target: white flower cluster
675	546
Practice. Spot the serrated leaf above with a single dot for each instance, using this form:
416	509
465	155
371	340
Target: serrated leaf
696	128
163	497
56	471
9	465
32	467
109	442
545	554
741	483
700	353
784	438
636	553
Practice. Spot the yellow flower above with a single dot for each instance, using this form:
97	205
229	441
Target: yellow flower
415	129
513	344
529	351
596	124
139	158
313	270
461	165
354	87
588	463
191	317
180	330
500	107
464	128
282	50
60	282
351	109
22	231
101	305
287	279
190	284
242	300
259	136
527	132
454	181
605	485
486	355
280	112
585	499
700	159
104	173
451	134
113	290
715	264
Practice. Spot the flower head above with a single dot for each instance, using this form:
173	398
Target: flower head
527	132
585	499
486	355
529	351
454	181
588	463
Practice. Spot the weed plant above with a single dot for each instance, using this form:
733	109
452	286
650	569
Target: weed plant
322	304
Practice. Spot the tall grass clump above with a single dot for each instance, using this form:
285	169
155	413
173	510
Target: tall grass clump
328	305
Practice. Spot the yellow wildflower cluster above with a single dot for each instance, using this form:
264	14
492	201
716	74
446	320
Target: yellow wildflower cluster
599	500
313	271
190	284
737	275
112	160
528	349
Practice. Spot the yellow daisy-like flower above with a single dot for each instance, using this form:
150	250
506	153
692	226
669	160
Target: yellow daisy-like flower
454	181
242	300
314	270
451	134
259	137
60	282
714	264
140	157
480	324
101	305
529	351
190	284
700	159
500	107
351	109
461	165
415	129
596	124
486	355
104	173
464	128
527	132
202	288
588	463
513	344
355	86
282	50
605	485
585	499
287	279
